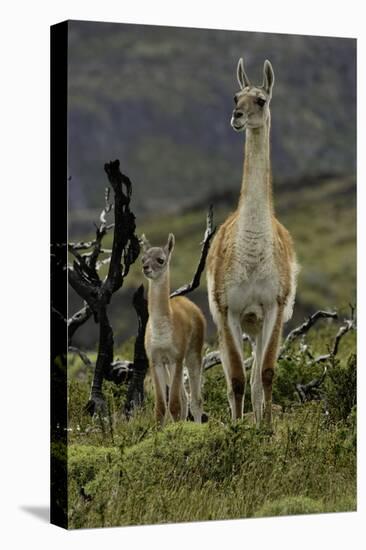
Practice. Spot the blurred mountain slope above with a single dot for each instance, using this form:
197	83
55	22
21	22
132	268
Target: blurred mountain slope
160	99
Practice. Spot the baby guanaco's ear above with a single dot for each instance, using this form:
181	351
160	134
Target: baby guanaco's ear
170	244
144	242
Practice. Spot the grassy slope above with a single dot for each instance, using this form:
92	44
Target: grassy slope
123	473
132	473
188	472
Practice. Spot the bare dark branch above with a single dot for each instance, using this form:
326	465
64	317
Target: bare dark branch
135	391
311	390
84	277
125	242
213	358
305	327
209	233
349	324
78	319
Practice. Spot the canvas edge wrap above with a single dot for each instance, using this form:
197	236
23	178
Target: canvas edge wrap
58	374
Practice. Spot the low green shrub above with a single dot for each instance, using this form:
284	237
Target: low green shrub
188	472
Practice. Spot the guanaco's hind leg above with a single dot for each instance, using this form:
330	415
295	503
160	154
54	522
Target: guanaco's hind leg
269	361
184	401
175	392
256	385
261	384
232	361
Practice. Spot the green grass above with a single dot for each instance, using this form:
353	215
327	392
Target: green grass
188	472
131	473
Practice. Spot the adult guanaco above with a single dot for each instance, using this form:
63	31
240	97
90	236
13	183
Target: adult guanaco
251	266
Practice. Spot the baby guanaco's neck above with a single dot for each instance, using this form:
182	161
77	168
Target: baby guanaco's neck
158	298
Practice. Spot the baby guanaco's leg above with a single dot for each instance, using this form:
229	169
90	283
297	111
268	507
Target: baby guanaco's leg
160	380
194	366
175	393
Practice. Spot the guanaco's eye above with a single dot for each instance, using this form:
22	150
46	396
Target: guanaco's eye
160	261
260	101
235	100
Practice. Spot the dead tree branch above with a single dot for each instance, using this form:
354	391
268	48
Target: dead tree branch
84	277
209	233
349	324
77	320
213	358
305	327
88	262
312	390
135	391
74	322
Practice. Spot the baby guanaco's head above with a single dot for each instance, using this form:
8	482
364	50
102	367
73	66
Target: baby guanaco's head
155	259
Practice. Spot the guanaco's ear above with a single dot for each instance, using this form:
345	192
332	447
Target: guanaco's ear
268	77
241	75
144	242
170	244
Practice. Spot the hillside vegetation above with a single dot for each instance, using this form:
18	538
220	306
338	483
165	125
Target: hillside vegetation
130	473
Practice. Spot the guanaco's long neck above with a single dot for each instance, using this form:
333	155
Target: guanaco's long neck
255	203
158	298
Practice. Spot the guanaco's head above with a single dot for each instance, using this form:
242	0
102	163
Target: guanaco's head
252	102
155	259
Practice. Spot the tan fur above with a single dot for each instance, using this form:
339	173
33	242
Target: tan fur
174	337
251	266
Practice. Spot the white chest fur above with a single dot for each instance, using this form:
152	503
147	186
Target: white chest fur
161	344
161	333
253	280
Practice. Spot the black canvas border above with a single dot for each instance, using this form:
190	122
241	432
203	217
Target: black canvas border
59	73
